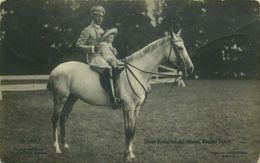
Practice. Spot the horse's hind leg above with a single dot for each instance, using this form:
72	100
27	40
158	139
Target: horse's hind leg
58	105
64	116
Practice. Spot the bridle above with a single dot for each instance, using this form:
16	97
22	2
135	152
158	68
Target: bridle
181	65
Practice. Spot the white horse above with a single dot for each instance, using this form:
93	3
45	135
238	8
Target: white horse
73	80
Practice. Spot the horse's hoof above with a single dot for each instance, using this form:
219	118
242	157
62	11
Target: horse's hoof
66	146
128	160
132	156
58	152
134	159
57	148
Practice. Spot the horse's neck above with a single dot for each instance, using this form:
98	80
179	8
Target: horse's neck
149	62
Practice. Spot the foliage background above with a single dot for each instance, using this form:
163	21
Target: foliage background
222	36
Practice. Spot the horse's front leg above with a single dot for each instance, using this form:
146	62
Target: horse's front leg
130	114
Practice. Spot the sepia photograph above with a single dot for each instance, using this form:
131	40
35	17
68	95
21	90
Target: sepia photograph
115	81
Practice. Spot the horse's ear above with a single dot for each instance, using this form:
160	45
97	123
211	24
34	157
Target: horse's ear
179	33
171	32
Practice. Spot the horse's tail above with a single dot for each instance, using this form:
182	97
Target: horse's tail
49	85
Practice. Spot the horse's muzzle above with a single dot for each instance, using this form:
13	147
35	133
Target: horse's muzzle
189	66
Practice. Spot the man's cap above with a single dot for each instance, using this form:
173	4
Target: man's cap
98	10
109	32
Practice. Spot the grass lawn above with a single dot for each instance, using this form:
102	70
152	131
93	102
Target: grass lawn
209	121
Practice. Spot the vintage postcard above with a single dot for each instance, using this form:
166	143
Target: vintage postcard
149	81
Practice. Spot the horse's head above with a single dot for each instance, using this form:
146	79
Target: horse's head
178	54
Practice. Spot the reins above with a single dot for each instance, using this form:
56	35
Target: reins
136	78
126	64
148	72
177	76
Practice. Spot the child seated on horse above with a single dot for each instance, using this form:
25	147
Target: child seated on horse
108	52
106	60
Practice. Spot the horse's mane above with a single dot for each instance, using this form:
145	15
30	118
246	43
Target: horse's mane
148	48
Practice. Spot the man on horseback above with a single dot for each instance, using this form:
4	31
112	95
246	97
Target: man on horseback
100	55
89	39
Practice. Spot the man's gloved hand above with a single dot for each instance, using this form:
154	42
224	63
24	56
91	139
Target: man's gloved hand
97	48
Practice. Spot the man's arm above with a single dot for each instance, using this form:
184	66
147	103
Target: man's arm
84	36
